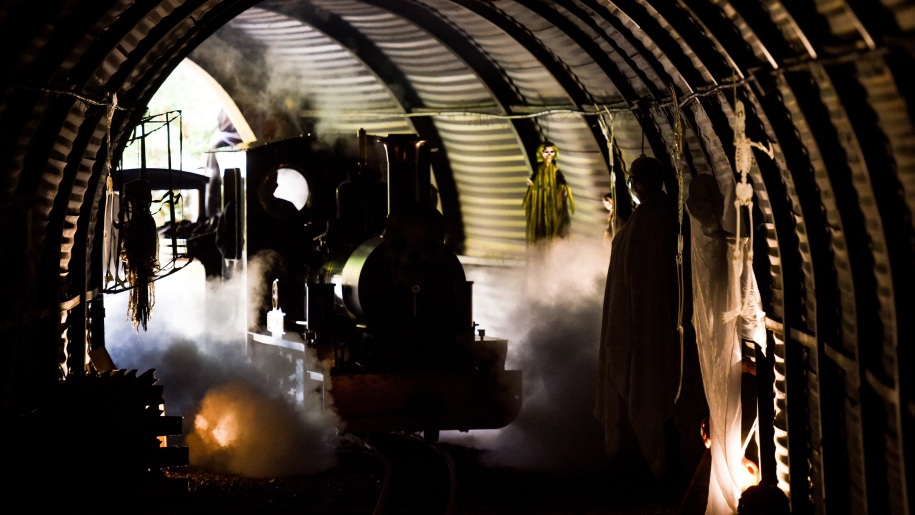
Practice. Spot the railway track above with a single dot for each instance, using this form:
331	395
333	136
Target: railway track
419	476
401	474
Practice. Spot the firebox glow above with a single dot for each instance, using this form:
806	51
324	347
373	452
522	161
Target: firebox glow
237	418
224	432
242	429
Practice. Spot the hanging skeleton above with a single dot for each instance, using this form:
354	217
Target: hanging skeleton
139	251
743	156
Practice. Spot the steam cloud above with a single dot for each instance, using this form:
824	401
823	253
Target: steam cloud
549	310
239	417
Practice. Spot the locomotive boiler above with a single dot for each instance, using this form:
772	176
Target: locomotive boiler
362	277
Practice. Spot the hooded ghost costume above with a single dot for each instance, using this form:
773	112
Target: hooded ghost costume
639	358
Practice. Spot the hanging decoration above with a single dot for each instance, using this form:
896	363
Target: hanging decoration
111	250
112	253
681	286
140	251
743	155
606	126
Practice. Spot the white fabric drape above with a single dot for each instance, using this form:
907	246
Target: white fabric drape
725	309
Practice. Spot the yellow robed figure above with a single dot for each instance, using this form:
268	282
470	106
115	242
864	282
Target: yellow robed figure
548	203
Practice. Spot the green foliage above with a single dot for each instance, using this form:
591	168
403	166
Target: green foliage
183	112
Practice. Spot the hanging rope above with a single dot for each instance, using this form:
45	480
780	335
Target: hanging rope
643	141
681	285
606	126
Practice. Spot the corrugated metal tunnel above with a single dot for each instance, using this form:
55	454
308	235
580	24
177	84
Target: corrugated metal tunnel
485	82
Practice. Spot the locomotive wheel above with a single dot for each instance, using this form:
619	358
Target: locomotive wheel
98	430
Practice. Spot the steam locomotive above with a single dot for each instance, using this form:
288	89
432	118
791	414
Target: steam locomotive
350	239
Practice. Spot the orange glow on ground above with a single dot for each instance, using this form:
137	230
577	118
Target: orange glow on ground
217	424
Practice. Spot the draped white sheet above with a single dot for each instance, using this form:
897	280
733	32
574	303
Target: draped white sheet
726	308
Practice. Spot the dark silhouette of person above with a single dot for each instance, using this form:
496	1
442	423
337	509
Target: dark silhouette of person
639	358
226	137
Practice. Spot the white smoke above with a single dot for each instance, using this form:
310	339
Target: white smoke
240	415
549	310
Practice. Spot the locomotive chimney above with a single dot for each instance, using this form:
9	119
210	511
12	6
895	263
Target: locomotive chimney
409	178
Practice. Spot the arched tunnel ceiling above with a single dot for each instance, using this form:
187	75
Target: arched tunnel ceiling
826	83
513	73
449	73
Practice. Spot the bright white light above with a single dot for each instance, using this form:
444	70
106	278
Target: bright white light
226	430
292	187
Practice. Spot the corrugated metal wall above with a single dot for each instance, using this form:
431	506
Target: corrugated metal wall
826	82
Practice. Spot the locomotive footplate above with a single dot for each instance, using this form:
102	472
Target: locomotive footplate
481	397
368	402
